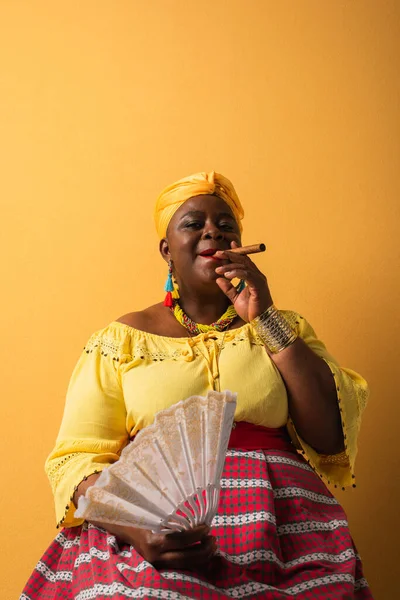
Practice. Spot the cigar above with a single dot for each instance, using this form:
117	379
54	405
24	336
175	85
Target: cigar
253	249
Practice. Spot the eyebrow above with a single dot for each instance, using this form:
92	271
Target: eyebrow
200	213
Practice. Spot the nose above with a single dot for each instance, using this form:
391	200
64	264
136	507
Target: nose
211	232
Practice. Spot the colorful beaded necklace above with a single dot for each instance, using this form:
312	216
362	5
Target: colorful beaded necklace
195	328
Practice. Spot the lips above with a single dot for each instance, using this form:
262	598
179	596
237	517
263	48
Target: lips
209	254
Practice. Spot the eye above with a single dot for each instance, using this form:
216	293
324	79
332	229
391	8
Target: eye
227	226
194	225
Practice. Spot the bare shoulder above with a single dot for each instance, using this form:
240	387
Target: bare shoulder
142	319
154	319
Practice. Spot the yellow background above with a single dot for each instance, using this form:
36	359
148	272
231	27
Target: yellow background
101	105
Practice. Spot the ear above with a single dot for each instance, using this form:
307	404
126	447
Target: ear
164	250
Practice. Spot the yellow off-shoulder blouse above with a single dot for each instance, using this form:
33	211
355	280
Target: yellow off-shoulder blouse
125	376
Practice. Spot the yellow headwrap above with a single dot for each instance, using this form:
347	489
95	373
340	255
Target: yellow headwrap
195	185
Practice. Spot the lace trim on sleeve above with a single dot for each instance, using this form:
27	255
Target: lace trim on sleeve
71	506
335	459
55	468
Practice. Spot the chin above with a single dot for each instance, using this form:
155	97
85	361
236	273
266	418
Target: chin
208	279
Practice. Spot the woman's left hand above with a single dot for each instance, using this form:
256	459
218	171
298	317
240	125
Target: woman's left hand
256	297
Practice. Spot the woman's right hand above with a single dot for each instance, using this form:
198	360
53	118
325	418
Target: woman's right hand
176	550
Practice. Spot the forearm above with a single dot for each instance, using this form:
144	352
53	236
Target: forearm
84	485
312	397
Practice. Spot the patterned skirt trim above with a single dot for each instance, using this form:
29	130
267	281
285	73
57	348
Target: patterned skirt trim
281	534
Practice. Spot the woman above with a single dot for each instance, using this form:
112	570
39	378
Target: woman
279	532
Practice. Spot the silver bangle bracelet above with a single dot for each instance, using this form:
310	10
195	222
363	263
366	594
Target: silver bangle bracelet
274	330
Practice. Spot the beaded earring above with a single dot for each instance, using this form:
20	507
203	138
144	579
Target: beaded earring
169	287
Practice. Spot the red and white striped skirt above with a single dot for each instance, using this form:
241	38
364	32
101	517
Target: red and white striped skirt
281	534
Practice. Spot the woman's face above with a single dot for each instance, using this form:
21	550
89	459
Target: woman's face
199	227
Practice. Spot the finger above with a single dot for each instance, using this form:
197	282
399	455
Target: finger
189	558
179	540
229	290
249	273
228	267
237	274
240	258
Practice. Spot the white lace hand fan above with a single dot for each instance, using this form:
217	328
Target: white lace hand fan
168	478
